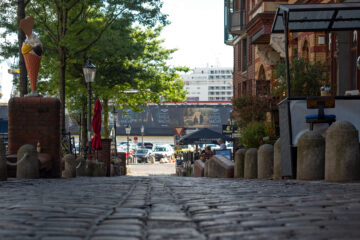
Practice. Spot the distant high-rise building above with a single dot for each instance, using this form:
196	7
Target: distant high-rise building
209	84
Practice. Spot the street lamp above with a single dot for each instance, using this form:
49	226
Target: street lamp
127	131
89	73
115	119
142	136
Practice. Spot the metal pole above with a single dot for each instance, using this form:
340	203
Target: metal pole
142	139
127	152
89	119
290	149
286	32
115	134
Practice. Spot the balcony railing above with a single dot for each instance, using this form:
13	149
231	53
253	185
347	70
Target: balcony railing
237	21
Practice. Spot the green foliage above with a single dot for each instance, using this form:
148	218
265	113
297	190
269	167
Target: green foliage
122	40
252	135
250	108
305	78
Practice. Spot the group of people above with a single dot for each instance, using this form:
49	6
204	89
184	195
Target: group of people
207	153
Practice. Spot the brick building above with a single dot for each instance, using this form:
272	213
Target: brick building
256	51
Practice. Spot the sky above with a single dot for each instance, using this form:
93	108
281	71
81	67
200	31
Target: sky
197	31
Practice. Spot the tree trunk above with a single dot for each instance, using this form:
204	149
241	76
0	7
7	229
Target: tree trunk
21	39
106	118
62	59
83	129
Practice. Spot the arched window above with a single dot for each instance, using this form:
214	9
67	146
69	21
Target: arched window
305	51
261	75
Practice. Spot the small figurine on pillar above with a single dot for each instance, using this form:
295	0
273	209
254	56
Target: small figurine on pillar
32	50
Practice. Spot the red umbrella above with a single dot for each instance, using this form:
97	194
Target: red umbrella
96	125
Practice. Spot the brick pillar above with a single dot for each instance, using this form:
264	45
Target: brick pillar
105	154
33	119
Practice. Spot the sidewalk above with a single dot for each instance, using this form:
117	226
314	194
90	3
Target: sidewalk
168	207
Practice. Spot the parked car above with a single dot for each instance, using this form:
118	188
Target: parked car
160	152
123	148
143	155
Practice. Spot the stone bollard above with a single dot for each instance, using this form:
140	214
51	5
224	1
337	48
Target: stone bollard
90	168
219	166
342	161
27	166
3	165
70	166
80	167
250	166
239	163
310	156
277	160
265	161
199	168
100	169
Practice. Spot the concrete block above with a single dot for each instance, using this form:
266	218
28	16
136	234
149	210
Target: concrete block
265	161
310	156
219	166
250	166
239	163
199	168
342	161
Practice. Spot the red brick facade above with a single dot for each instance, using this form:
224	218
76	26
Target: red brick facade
33	119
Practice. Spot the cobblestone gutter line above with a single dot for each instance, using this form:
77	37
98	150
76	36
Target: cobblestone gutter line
102	219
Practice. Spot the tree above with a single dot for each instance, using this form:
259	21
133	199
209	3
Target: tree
306	78
71	27
8	8
135	75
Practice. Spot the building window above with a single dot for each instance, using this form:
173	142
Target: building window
244	56
305	51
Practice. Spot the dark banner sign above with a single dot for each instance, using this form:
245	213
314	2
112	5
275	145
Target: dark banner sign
160	120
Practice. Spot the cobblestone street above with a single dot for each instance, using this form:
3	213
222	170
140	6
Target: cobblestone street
151	169
164	207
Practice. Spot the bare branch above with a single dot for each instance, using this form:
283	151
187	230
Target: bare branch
79	14
111	20
72	5
27	2
43	22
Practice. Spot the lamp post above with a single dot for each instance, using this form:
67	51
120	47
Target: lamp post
142	136
89	74
115	119
127	131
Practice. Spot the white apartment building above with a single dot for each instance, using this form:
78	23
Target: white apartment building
209	84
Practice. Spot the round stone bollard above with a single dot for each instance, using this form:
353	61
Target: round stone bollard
70	166
250	166
239	163
80	167
99	170
27	162
90	168
3	165
265	161
310	156
342	161
277	160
